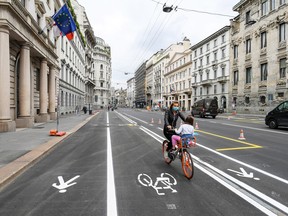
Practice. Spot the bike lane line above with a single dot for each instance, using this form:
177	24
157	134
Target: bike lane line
111	194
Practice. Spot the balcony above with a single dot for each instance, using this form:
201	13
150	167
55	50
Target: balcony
223	79
214	62
262	86
207	82
187	91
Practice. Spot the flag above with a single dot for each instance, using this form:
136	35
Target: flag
56	31
65	22
171	90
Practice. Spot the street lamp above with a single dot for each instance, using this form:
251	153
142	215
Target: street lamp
126	73
167	9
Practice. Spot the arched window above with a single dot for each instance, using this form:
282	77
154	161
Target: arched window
263	99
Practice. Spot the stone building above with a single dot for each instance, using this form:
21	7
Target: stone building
211	67
72	75
131	92
259	47
140	84
176	74
28	63
102	73
90	39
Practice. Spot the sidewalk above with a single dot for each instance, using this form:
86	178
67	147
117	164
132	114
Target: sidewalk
21	149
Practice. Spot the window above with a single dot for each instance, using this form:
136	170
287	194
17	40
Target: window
201	77
235	77
201	51
272	5
264	7
215	56
223	88
215	89
282	2
282	35
263	40
201	91
201	62
235	51
282	68
247	17
264	71
215	74
248	75
195	53
248	46
223	71
262	99
207	60
207	47
215	42
223	38
247	100
195	64
223	53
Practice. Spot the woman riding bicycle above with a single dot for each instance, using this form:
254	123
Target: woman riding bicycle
170	120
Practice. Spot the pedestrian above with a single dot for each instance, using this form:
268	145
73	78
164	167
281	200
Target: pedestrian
85	109
170	120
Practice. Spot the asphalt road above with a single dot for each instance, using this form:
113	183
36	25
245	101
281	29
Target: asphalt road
113	166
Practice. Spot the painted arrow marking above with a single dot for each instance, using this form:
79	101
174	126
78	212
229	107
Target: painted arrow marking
63	185
244	174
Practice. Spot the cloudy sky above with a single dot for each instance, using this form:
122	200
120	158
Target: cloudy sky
136	29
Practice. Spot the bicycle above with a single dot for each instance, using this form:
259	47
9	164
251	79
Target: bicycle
182	153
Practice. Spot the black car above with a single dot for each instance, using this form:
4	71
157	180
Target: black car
278	116
205	107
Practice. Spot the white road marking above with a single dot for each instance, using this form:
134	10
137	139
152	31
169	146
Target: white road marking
111	194
63	185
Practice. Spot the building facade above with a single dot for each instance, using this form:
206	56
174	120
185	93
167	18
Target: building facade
140	86
131	92
175	78
259	47
29	67
102	73
211	67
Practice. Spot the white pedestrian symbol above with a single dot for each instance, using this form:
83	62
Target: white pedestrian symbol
165	179
63	185
244	174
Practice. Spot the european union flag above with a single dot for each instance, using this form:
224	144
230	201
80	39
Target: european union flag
64	20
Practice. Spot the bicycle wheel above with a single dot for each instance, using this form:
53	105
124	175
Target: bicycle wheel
187	164
165	153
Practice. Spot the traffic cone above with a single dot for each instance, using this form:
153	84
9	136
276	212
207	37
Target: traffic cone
159	122
241	135
152	121
196	126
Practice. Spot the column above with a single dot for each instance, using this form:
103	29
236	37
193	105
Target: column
43	87
25	119
6	124
52	91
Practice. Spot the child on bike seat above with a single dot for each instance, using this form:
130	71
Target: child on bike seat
185	129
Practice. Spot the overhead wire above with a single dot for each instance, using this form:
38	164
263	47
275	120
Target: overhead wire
156	35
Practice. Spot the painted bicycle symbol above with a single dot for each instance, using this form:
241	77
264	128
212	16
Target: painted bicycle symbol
165	179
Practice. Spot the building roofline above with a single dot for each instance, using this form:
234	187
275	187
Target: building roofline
209	38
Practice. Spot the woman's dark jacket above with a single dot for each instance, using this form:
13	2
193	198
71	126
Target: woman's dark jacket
171	119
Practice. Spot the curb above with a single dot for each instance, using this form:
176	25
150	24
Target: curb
11	171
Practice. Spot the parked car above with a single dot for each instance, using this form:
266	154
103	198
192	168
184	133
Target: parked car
205	107
278	116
